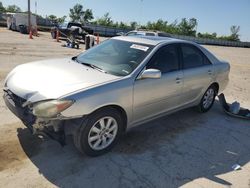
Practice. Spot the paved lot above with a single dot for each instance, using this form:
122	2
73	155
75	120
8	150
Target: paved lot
185	149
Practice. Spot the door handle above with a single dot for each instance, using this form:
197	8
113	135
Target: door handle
209	72
178	80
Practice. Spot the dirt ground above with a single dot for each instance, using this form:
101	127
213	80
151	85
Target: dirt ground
185	149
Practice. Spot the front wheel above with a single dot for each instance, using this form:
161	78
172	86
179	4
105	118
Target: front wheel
99	133
207	100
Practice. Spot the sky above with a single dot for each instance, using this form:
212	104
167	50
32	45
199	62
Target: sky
212	15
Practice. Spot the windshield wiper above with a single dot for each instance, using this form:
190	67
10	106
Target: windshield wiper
75	59
89	65
94	67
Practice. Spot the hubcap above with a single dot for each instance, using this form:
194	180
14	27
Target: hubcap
208	98
102	133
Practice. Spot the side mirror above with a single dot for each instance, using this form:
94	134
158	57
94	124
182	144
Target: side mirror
151	73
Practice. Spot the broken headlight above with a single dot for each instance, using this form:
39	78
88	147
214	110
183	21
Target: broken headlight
52	108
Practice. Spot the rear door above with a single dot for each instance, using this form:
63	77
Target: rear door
197	72
155	96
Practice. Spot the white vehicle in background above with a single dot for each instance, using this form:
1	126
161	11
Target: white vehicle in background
19	22
142	32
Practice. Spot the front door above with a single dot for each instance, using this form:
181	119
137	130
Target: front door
155	96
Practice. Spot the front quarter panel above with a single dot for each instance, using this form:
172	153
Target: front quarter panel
116	93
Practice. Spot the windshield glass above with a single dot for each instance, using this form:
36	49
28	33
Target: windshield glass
116	57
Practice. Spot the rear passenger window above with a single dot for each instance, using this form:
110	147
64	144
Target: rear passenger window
131	34
165	59
192	57
150	34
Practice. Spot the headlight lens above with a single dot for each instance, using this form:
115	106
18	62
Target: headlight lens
51	108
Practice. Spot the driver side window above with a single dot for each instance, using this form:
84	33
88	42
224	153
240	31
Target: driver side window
165	59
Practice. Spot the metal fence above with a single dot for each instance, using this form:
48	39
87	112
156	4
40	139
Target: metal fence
107	31
217	42
45	24
110	32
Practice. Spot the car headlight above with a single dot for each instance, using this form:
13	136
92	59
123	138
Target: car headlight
51	108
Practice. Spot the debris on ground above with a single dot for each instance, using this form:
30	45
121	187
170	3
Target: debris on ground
236	167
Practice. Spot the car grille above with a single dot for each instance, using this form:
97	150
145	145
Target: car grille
16	99
15	104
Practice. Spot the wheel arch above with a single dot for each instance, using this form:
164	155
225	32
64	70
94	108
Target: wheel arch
119	109
216	85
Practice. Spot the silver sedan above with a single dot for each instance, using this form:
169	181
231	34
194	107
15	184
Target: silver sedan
123	82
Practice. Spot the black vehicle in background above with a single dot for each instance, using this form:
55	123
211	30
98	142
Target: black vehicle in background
71	30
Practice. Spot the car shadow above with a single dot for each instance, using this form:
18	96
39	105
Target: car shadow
168	152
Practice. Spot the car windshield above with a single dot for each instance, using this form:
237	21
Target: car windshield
115	57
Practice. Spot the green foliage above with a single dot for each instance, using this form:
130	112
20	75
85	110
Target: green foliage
105	20
77	14
187	27
13	8
233	37
2	9
88	15
52	18
207	35
235	30
133	25
61	19
55	19
159	25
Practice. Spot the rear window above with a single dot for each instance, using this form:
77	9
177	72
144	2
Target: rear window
193	57
150	34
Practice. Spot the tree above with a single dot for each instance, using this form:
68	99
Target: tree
55	19
188	27
159	25
13	8
234	33
77	14
172	28
52	17
88	15
123	25
105	20
207	35
133	25
2	9
61	19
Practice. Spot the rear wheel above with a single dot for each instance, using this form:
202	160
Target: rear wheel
99	133
207	100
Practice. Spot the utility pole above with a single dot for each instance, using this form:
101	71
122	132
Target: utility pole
36	6
29	22
141	14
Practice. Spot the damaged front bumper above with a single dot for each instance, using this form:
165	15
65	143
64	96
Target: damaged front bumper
53	129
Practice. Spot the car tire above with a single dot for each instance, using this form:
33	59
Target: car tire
207	99
99	132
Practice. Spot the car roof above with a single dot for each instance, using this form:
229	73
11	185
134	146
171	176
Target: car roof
150	40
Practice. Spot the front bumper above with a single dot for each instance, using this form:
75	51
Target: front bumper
14	103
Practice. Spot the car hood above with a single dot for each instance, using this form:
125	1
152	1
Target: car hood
51	79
